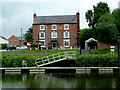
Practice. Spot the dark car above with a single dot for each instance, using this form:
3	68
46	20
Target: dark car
11	47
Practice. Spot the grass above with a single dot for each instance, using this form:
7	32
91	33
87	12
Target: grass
42	52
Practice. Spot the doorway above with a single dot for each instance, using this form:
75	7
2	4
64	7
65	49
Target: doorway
54	45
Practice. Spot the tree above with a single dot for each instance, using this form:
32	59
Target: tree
93	16
29	37
106	28
116	15
86	34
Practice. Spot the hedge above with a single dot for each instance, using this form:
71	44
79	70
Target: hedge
99	60
16	61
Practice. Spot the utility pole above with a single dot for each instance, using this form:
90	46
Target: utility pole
46	40
119	52
38	41
21	36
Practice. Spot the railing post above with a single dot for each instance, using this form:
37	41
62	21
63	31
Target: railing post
53	57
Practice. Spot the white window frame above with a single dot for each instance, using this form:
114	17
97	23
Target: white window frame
41	26
40	35
53	26
15	41
65	27
10	41
42	41
68	34
52	34
64	42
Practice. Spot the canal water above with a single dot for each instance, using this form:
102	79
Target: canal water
61	80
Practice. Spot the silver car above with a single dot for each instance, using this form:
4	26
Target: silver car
22	48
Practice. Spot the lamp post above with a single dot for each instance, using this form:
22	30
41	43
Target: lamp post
46	40
119	52
38	41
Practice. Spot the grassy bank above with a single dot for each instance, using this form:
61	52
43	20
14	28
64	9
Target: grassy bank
97	58
14	58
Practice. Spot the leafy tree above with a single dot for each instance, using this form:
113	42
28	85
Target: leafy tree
29	37
86	34
93	16
116	15
106	28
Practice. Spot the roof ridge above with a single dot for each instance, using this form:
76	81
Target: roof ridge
55	15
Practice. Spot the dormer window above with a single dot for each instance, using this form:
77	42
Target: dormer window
66	26
54	27
42	27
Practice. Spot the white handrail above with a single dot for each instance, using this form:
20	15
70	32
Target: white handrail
53	58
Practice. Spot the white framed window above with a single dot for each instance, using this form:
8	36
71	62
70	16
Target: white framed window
42	35
10	41
42	27
15	41
54	27
66	43
42	42
66	35
53	34
66	26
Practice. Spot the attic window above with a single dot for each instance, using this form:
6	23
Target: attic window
42	27
54	27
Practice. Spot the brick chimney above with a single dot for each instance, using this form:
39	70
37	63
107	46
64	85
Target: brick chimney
78	24
34	15
78	28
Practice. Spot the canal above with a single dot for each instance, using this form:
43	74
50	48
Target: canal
61	80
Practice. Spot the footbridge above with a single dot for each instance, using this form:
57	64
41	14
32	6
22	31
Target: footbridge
70	55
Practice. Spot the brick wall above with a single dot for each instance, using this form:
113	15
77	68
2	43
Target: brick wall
13	38
60	36
105	45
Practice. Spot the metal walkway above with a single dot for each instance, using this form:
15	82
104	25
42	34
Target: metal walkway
55	58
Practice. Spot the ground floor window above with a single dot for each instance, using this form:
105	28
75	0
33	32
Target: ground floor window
42	42
66	43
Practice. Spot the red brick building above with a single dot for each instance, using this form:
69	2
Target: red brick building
13	40
57	31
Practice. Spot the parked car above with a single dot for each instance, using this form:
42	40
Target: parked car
22	48
11	47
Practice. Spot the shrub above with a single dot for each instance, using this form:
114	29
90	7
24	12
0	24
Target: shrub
97	61
3	46
34	45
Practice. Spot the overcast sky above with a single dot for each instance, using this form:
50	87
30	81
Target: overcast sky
17	14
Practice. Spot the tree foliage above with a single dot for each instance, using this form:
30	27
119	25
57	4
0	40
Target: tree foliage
86	34
93	16
116	15
106	29
29	37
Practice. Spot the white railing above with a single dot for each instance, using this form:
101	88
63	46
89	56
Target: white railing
55	58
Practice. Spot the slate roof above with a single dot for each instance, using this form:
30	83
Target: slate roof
3	37
63	19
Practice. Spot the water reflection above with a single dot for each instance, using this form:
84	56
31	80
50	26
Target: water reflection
93	80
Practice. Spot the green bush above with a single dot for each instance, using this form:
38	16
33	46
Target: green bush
97	61
16	61
3	46
34	45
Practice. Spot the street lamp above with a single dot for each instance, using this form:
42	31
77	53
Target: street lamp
38	41
119	52
46	40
